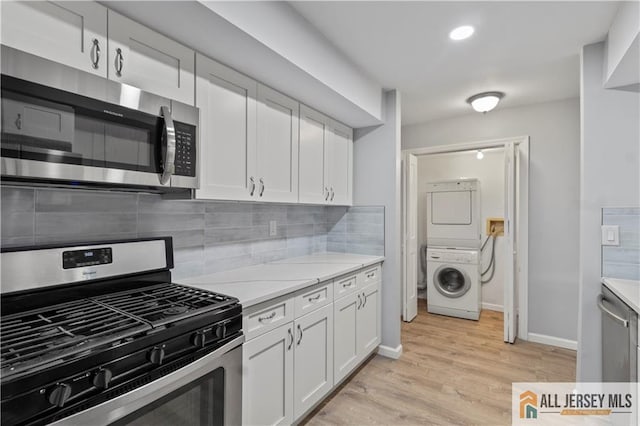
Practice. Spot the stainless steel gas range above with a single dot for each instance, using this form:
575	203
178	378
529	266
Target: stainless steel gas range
98	334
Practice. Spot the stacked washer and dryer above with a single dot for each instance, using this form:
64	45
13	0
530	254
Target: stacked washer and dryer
453	248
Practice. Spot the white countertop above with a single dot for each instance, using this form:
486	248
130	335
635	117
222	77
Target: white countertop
259	283
627	290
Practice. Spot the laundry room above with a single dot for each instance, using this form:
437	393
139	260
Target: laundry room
460	221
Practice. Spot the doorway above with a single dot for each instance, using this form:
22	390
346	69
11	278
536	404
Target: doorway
502	174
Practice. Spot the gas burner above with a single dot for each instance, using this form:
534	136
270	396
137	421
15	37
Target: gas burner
175	310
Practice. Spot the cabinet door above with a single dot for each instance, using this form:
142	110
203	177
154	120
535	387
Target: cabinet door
267	379
313	364
149	61
311	169
345	346
70	32
277	146
339	164
227	102
368	330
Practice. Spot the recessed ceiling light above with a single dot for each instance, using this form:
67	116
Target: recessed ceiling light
479	155
485	102
461	33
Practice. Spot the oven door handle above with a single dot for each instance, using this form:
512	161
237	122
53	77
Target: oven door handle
169	148
130	402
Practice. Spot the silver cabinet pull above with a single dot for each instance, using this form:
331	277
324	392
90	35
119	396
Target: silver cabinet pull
119	62
364	300
261	187
95	53
347	284
169	146
299	335
290	341
326	197
268	317
359	301
623	322
253	186
316	297
19	122
332	193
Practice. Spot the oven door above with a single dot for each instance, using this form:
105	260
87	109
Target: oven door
205	392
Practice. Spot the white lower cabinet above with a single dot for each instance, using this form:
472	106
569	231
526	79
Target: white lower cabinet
345	335
368	321
289	369
267	379
313	359
357	329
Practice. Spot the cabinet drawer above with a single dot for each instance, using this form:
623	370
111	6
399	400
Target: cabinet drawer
267	316
312	298
345	285
369	275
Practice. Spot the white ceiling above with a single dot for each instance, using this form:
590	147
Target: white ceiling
529	50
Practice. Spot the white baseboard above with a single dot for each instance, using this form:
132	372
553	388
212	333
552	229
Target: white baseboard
389	352
492	307
553	341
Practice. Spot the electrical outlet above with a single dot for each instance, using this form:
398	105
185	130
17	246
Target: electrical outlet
273	228
610	235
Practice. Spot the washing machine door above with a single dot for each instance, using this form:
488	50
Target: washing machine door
451	281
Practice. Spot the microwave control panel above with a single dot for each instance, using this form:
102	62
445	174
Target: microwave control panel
185	149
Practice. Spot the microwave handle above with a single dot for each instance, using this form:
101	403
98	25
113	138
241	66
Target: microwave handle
168	164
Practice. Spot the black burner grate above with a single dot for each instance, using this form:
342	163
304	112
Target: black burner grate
165	303
48	336
41	338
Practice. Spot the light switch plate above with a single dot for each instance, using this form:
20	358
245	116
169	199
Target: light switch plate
610	235
273	228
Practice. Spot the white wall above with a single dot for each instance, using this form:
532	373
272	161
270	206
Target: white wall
610	177
376	182
280	27
554	130
490	172
623	47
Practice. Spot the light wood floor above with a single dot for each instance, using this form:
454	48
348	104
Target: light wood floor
452	372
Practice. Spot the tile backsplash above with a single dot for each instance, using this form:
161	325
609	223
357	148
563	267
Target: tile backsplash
209	236
622	261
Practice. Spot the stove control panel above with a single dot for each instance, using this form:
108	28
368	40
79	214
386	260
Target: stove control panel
82	258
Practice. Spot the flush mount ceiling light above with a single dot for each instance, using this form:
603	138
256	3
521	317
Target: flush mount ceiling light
461	33
479	155
484	102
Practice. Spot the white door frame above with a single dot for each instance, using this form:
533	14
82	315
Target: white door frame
409	298
522	211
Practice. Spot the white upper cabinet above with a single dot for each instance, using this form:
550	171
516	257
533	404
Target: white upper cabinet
227	102
339	164
143	58
276	153
326	163
311	177
73	33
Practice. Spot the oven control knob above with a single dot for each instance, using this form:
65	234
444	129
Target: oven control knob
221	331
102	378
198	339
156	355
59	394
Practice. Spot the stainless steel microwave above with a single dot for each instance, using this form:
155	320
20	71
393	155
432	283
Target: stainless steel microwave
65	126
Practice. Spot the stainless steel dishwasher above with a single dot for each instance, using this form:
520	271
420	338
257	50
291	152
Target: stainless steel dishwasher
619	339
